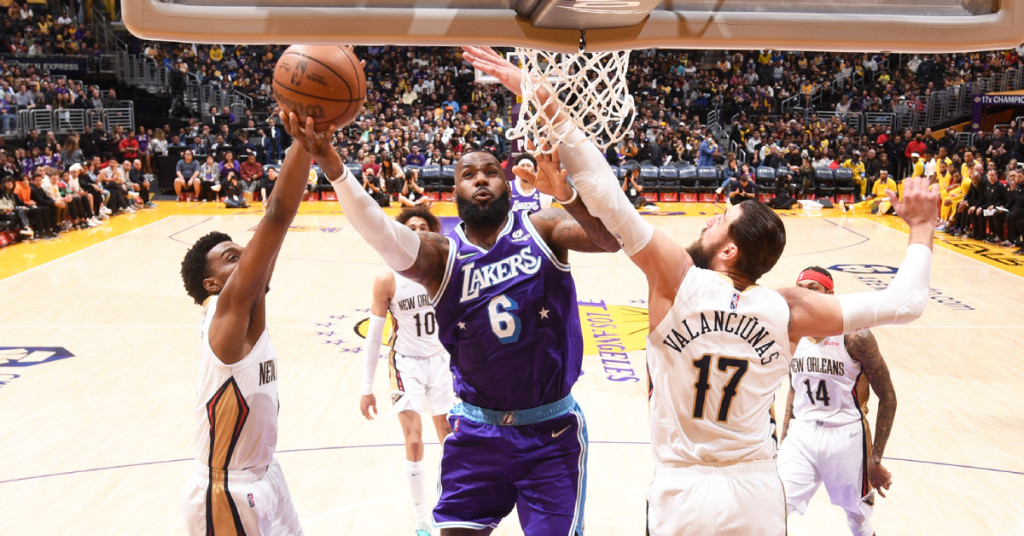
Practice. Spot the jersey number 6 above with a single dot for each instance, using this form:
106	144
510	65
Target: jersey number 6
504	324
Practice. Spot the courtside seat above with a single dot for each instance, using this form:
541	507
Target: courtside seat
825	182
356	170
689	188
764	181
649	174
448	179
431	177
844	185
668	183
710	179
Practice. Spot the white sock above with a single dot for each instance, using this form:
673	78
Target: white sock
414	471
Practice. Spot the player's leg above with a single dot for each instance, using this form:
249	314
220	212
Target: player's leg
552	493
441	426
796	464
284	520
412	431
408	379
681	502
415	467
237	506
845	475
440	393
737	500
475	484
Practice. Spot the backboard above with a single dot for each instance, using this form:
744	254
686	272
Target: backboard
828	25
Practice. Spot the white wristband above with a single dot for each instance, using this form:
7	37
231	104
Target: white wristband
572	198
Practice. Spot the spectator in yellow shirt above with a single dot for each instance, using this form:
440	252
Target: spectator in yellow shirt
860	178
878	201
954	191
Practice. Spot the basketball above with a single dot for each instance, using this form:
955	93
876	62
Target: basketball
325	82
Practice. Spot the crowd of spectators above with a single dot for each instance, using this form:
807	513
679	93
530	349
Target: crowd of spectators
423	107
27	29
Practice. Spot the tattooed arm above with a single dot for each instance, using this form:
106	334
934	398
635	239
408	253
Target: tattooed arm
789	410
573	228
864	349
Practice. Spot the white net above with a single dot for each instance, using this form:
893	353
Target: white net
591	87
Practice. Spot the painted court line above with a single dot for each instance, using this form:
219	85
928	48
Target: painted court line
395	445
86	248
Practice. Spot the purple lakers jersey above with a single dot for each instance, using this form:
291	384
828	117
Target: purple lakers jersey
521	201
509	319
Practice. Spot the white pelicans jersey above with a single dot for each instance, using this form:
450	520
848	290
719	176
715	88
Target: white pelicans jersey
236	414
830	388
414	332
716	361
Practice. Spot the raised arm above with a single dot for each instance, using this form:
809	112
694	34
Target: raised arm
820	315
420	257
239	308
662	260
570	227
864	349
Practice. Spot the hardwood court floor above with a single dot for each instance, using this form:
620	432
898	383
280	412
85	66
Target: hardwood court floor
100	442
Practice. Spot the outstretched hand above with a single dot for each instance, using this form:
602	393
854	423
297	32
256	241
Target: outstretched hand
317	144
920	204
305	133
550	178
487	60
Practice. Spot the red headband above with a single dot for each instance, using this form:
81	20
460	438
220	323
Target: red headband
815	275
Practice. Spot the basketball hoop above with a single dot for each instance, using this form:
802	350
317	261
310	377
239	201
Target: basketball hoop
591	87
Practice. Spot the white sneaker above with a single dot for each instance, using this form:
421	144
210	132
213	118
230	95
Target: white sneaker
719	190
104	211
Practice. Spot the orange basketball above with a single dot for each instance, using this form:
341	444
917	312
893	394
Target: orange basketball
325	82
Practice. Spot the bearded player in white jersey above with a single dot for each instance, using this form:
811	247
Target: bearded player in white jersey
825	434
720	344
419	366
237	486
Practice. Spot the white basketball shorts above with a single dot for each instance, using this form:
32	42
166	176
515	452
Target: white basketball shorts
813	454
415	379
255	503
741	499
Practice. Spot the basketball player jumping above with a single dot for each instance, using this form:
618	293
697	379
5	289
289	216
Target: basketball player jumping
825	434
719	344
238	486
507	313
419	364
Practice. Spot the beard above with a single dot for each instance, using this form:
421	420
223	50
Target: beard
702	253
490	215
